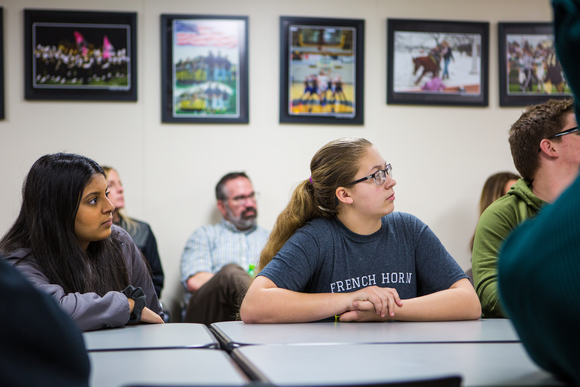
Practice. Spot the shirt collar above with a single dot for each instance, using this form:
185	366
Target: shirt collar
230	226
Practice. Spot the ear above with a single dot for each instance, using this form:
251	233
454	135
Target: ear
343	195
548	148
221	206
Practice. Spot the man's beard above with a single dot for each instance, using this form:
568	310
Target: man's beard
244	221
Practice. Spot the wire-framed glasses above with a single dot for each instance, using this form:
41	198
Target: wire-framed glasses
253	197
379	176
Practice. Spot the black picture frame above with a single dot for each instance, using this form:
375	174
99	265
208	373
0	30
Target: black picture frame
80	55
528	65
416	64
2	111
307	66
204	69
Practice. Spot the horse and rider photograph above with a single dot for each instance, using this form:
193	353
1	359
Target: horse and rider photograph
434	62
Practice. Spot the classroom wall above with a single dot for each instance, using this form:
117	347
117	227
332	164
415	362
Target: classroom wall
441	155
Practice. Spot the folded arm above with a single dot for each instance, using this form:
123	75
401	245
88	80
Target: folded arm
196	266
266	303
197	280
88	310
459	302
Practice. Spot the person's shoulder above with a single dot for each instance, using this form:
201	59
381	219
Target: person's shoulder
120	234
321	225
262	231
140	223
398	218
15	255
207	228
403	222
209	231
504	207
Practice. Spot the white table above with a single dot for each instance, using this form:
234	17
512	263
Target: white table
150	336
479	364
204	367
235	334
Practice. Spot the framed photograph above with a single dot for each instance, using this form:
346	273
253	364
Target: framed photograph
529	70
2	113
321	70
204	62
72	55
432	62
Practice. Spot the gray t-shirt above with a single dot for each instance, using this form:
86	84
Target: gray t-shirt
326	257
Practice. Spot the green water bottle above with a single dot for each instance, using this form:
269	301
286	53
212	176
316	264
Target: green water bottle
251	270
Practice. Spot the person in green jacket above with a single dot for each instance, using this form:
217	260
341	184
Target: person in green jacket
547	158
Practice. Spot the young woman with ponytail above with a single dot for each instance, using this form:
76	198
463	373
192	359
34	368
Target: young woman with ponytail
338	249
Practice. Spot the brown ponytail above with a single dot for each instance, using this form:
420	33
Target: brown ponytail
333	166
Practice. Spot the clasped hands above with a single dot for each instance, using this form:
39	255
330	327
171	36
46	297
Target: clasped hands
372	304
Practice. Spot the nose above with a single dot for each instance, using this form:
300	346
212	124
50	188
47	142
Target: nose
390	183
108	207
248	203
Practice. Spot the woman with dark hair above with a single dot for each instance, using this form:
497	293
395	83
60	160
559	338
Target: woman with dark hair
65	243
338	249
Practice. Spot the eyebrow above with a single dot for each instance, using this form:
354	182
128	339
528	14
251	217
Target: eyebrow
91	194
378	167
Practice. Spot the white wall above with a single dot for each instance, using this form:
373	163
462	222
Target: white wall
441	155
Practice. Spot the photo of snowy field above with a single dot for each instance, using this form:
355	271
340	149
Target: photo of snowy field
431	62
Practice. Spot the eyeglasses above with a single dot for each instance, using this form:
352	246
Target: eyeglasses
253	197
379	176
565	132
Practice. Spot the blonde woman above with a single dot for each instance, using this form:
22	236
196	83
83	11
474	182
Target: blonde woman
338	249
139	231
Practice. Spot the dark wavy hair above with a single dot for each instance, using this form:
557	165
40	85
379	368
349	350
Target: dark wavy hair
51	195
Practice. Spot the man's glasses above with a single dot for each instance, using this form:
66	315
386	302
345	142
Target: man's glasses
253	197
565	132
379	176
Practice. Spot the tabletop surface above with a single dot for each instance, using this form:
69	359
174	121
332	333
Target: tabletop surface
150	336
489	364
236	333
164	367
